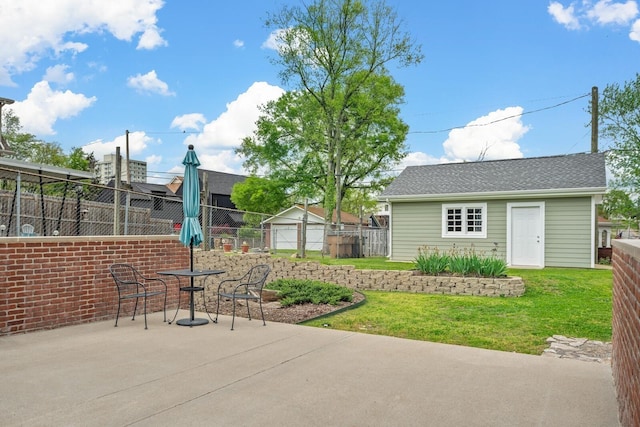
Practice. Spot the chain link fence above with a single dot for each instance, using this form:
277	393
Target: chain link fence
90	210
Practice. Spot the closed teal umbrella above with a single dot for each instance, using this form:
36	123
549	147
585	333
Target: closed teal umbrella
191	232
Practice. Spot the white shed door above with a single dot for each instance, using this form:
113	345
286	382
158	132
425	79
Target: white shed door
527	240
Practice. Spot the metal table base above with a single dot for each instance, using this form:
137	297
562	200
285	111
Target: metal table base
191	321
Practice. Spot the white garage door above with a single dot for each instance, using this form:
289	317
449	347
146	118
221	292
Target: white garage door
286	237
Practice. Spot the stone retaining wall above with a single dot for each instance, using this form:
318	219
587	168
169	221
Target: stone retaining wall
345	275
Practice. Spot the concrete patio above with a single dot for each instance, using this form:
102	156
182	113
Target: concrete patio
285	375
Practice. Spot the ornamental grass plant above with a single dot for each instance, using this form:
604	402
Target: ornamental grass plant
459	262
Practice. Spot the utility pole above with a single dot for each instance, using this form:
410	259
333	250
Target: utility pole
305	218
116	195
129	187
204	203
594	119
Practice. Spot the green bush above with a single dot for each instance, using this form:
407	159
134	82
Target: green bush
299	291
466	262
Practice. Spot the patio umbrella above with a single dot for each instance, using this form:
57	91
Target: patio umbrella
191	232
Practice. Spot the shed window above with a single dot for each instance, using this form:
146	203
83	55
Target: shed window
469	220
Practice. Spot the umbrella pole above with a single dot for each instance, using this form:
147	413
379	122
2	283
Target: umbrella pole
191	252
192	305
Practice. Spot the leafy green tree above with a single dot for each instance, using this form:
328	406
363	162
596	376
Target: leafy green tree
341	123
21	144
618	205
27	147
619	121
359	200
79	160
259	195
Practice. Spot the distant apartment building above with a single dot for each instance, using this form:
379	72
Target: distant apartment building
106	169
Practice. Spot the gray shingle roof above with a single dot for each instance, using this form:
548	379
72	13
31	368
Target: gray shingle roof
221	182
567	172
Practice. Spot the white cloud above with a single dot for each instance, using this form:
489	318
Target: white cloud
149	83
418	158
494	136
274	40
491	137
44	106
58	74
238	43
222	161
189	121
565	16
53	26
216	143
152	159
238	121
604	12
151	39
635	31
138	142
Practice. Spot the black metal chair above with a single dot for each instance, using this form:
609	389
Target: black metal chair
131	284
248	288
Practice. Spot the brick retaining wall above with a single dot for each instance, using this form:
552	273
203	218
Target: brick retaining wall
626	329
49	282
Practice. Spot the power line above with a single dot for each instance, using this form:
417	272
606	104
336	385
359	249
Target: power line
504	118
181	132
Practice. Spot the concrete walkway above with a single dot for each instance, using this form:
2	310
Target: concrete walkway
285	375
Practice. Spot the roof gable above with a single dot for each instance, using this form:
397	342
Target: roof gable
537	174
317	213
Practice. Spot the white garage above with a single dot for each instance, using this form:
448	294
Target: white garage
286	227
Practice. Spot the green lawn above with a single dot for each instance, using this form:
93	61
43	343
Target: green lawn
570	302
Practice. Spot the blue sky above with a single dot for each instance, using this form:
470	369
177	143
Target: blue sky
179	72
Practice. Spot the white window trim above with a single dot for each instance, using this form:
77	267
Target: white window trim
464	234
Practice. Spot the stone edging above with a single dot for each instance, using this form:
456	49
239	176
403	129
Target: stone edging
340	310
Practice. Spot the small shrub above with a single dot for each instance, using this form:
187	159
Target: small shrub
299	291
604	261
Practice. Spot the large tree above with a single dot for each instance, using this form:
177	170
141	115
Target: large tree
340	123
619	122
619	206
290	142
27	147
258	195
